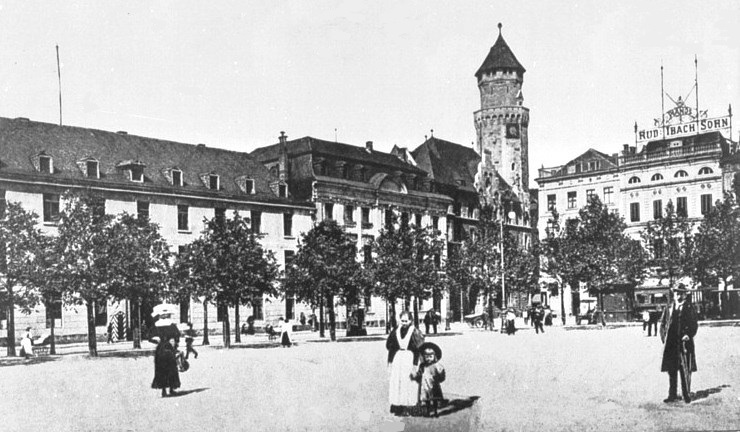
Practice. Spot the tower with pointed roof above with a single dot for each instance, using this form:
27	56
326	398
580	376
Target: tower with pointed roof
502	125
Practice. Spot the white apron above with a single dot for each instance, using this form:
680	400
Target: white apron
402	389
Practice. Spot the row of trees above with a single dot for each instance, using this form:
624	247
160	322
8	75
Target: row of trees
594	249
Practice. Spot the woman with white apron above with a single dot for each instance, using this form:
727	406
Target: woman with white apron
403	355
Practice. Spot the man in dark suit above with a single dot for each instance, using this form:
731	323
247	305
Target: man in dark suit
678	327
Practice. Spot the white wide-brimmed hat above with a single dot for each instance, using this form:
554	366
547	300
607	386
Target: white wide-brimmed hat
163	309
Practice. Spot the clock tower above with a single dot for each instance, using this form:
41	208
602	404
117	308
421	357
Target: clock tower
501	127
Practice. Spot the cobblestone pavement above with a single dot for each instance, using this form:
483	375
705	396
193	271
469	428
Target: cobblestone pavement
605	380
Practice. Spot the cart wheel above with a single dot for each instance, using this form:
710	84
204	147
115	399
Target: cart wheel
479	322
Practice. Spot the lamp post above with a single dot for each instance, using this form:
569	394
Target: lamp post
511	215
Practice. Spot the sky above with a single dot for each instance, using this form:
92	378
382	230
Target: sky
234	74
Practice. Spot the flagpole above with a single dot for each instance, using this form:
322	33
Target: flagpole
696	85
59	76
662	103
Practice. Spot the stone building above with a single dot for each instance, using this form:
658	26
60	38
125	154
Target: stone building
175	185
363	190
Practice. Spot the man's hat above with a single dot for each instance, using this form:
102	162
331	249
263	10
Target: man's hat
433	346
680	288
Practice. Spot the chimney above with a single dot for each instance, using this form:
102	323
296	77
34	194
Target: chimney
369	146
283	137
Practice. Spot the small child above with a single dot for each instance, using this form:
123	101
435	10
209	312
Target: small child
189	336
430	373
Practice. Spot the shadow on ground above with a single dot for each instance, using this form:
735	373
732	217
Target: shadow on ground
455	405
180	393
17	361
126	354
703	394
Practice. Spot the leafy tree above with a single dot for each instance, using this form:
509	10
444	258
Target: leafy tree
325	270
80	249
717	256
228	265
608	259
407	264
139	264
21	246
561	254
191	274
669	241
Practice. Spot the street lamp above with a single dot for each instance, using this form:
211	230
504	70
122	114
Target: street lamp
511	215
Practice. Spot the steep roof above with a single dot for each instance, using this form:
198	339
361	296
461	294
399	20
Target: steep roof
21	140
341	151
448	163
500	57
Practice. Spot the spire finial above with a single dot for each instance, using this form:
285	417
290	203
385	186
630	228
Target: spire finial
499	28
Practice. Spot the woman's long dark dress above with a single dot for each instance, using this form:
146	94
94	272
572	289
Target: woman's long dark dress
165	367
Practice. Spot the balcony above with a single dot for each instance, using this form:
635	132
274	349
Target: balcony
671	154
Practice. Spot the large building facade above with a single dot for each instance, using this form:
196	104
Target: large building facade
685	169
177	186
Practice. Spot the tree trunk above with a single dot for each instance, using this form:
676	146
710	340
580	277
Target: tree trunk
416	312
601	302
205	322
321	317
53	346
227	329
562	303
332	319
11	324
392	317
92	341
237	330
137	326
490	322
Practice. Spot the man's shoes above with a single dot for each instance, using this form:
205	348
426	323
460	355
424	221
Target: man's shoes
670	399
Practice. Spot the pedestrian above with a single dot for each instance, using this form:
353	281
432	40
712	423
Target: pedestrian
430	373
189	338
538	316
166	374
403	346
678	327
653	324
510	317
646	321
548	316
428	318
526	316
302	319
27	344
436	319
285	332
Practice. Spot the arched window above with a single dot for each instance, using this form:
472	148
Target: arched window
705	170
656	177
634	180
681	173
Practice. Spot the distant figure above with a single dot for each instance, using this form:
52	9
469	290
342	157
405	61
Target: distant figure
510	318
27	344
189	338
428	320
403	346
646	321
430	373
653	323
548	316
285	328
678	327
302	319
537	318
526	316
250	326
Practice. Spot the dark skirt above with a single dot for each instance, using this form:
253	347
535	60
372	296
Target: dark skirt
165	368
285	339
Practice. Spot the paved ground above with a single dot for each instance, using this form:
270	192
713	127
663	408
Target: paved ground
605	380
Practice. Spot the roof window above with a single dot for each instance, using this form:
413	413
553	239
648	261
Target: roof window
634	180
681	173
656	177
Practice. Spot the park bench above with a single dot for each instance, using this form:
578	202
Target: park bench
40	351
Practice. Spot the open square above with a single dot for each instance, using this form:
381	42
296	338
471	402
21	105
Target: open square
558	381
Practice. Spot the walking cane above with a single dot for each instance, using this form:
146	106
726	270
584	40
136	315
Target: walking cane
686	366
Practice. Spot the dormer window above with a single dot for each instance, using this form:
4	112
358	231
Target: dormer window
176	177
681	173
213	181
245	184
137	173
45	165
133	169
656	177
92	169
283	190
634	180
705	170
